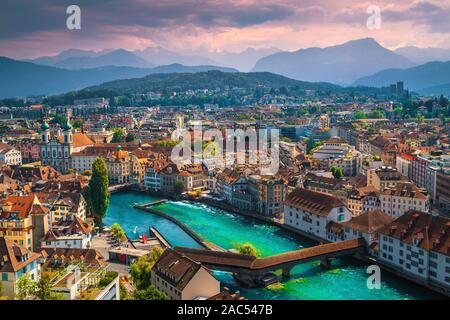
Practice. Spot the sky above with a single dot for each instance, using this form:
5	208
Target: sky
32	28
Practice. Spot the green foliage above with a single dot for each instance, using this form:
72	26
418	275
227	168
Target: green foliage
88	173
166	143
107	278
118	232
150	293
118	136
375	114
43	290
337	172
26	287
78	123
142	267
123	292
286	139
360	115
311	145
420	119
179	187
248	249
376	158
130	137
314	109
58	119
98	189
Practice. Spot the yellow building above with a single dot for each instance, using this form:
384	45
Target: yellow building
68	204
16	222
384	177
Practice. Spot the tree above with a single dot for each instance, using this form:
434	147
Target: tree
248	249
142	267
78	123
179	187
118	135
58	119
337	172
43	290
26	288
98	190
360	115
118	232
130	137
420	119
150	293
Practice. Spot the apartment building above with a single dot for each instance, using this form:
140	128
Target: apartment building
268	194
362	200
384	177
10	155
68	232
311	212
404	197
331	186
417	244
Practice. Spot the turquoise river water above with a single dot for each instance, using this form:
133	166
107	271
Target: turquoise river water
346	279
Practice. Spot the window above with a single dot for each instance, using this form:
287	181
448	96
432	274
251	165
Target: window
4	276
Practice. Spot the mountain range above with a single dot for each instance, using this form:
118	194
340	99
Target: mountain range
21	78
80	59
419	78
341	64
74	59
362	62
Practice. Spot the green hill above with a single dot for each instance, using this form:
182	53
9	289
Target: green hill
207	80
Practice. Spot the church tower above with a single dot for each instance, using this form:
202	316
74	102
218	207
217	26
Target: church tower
45	133
67	128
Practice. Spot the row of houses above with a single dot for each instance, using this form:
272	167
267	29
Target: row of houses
415	243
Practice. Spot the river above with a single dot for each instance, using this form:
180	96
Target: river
346	279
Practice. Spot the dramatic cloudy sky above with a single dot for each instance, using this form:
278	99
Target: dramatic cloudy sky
30	28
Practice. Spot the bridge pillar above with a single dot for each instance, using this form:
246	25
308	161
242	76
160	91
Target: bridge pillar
325	263
286	272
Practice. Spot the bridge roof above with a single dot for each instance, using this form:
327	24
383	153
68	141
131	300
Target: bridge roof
249	262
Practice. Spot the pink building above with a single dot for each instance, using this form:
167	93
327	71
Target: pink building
30	150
